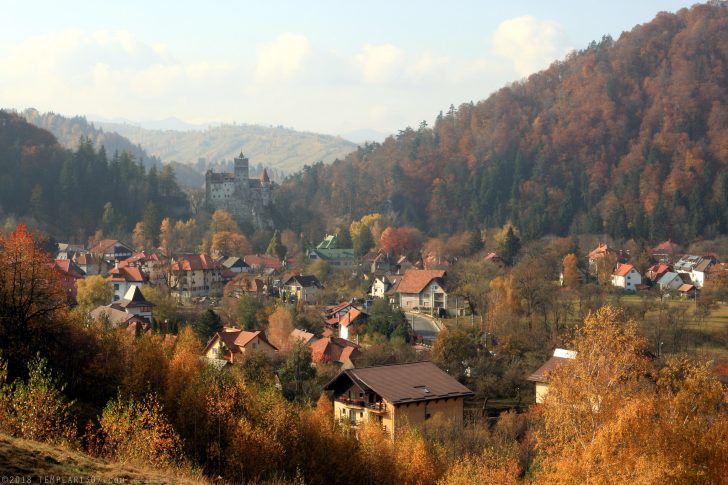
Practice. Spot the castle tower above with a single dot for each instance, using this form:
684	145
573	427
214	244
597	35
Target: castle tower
264	179
241	168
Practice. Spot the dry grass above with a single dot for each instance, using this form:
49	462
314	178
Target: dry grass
41	462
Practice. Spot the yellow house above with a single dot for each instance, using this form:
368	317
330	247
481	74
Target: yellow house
396	396
541	376
232	343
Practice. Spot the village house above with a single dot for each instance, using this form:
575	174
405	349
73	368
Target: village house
236	265
665	252
396	396
626	277
126	311
669	281
196	276
298	335
68	273
696	267
382	286
305	288
244	284
231	344
422	289
90	263
541	376
154	266
263	263
657	271
124	277
335	350
329	250
350	322
112	251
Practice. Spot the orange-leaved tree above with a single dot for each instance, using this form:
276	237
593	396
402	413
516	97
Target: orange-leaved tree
32	301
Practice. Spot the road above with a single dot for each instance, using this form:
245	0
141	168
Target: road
423	326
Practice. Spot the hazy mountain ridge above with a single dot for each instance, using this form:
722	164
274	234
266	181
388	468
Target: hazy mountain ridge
281	148
69	130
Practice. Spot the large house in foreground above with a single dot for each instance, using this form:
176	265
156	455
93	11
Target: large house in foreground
396	396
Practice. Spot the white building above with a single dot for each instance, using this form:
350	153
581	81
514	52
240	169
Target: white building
627	277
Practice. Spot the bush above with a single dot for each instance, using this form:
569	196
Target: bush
139	431
36	409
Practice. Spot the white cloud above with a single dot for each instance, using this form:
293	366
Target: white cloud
531	44
427	65
101	72
377	63
282	57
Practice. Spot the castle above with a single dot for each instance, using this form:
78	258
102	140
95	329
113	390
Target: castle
246	199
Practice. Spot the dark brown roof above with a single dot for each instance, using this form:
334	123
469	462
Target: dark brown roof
541	375
403	383
415	280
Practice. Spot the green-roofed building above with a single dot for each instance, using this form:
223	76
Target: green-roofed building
328	250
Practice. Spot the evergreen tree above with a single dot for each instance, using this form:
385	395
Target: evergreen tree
510	246
658	224
476	242
276	247
363	242
208	324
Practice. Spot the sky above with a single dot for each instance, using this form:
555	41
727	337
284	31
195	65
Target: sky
321	66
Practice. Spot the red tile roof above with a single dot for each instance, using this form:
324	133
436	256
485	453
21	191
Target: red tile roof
197	262
349	317
69	268
416	280
126	273
332	349
262	261
623	270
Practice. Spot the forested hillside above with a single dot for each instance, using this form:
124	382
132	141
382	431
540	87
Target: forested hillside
72	193
282	149
69	131
627	137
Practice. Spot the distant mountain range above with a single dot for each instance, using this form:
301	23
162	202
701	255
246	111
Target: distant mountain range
192	149
282	149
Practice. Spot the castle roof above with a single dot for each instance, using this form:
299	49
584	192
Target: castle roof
264	177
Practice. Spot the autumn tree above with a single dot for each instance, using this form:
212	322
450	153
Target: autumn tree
454	350
92	292
230	244
401	240
222	221
32	302
570	271
280	326
140	238
611	415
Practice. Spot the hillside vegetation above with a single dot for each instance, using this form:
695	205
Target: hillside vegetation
70	194
627	137
26	458
283	149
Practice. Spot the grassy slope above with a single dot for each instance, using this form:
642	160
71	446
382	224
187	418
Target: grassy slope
24	458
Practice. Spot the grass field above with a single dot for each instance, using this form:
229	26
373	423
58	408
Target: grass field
25	461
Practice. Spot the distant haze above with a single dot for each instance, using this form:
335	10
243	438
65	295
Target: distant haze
311	66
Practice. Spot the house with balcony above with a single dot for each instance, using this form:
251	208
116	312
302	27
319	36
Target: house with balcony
124	277
422	289
397	396
197	275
